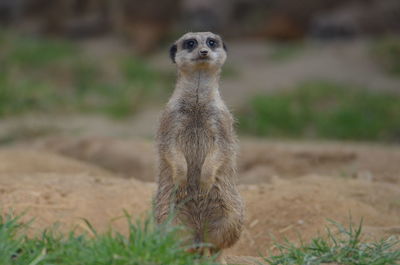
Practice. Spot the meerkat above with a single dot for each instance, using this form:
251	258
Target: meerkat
197	146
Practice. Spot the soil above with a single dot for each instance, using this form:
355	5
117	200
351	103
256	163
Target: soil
291	189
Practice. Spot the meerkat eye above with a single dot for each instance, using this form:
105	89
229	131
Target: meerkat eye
189	44
212	43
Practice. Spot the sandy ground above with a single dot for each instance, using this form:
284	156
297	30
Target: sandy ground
290	188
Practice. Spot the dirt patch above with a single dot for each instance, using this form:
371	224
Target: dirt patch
259	161
302	207
129	159
293	159
18	161
245	260
54	188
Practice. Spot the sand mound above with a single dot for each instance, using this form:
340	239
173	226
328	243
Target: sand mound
130	159
53	189
59	189
23	161
302	207
259	161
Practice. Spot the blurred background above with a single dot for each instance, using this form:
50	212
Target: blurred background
314	86
314	69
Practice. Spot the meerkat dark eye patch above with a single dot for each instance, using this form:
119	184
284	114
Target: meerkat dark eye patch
212	43
189	44
172	52
224	46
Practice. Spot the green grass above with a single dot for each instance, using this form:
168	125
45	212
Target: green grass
53	76
344	247
323	110
33	53
147	243
386	51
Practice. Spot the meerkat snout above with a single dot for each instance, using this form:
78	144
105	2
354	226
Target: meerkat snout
203	53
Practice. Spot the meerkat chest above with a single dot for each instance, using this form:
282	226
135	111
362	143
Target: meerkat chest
198	123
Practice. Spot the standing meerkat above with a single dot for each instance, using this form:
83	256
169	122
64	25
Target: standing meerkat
197	149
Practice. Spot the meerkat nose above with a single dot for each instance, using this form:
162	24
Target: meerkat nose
203	52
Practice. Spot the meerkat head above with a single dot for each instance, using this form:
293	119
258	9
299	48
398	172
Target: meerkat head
198	50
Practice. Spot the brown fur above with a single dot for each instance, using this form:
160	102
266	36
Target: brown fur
197	153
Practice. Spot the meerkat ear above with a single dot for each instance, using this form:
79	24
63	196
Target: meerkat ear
224	46
172	52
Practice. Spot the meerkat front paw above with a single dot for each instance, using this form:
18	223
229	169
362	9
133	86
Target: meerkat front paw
179	174
207	178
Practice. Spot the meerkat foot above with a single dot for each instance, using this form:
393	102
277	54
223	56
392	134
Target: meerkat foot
206	252
220	259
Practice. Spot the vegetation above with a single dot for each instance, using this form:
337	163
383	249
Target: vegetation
344	248
387	53
323	110
146	243
42	75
